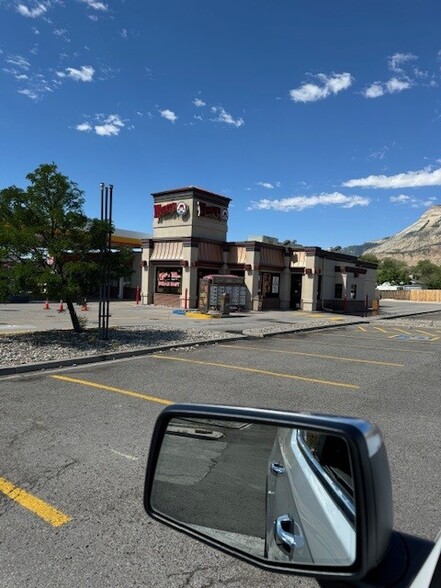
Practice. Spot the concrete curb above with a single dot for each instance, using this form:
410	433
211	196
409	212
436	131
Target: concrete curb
246	334
103	357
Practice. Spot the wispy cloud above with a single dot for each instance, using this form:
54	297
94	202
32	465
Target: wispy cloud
411	179
18	61
266	185
104	127
326	86
224	117
198	102
397	60
38	9
298	203
406	76
95	5
168	115
124	33
84	74
403	199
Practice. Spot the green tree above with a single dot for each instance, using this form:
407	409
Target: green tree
393	271
370	258
47	243
429	273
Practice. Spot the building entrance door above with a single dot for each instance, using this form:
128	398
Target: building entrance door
296	291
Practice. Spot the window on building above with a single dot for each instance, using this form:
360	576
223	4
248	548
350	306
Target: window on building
168	280
269	285
338	293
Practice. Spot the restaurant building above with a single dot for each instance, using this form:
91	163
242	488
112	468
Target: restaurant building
189	242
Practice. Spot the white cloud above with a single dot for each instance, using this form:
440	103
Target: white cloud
375	90
95	5
225	117
298	203
395	85
111	126
198	102
85	74
413	202
265	185
18	61
38	10
399	59
332	84
412	179
84	127
31	94
168	115
124	33
104	127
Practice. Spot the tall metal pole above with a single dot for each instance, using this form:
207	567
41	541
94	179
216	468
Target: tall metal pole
105	253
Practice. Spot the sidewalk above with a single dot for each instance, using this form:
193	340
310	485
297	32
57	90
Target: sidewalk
20	318
34	338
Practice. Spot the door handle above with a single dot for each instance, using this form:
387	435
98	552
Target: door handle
287	534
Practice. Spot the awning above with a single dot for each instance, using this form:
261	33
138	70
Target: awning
167	251
211	252
237	255
270	257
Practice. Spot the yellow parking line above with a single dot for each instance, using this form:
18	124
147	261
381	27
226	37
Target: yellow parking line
401	331
40	508
113	389
352	359
358	337
362	329
379	329
424	332
257	371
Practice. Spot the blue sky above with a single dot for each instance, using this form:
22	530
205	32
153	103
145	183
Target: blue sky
320	119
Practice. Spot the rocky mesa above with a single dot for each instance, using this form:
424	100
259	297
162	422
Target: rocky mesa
421	240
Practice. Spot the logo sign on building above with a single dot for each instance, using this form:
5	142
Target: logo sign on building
170	209
181	209
214	212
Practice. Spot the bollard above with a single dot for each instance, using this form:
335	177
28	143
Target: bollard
46	305
61	306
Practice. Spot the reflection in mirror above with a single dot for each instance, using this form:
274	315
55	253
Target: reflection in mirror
276	493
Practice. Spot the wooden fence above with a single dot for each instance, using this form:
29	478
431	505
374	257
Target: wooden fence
412	295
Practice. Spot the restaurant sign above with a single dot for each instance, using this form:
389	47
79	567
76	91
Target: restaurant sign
170	209
215	212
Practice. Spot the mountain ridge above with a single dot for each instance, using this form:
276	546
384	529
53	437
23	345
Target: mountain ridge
421	240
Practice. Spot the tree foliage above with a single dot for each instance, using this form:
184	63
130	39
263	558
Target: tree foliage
393	271
48	245
428	273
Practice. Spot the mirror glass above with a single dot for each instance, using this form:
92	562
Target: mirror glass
276	493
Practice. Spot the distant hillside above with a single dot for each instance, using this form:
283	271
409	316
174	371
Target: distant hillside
422	240
358	250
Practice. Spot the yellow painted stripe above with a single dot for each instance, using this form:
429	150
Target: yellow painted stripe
42	509
362	329
401	331
350	359
379	329
424	332
113	389
358	337
257	371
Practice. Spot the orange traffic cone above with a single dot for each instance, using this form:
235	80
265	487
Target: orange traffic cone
61	306
46	305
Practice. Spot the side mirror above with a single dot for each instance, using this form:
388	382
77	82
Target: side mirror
301	493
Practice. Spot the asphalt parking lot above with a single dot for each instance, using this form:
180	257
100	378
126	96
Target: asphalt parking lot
76	440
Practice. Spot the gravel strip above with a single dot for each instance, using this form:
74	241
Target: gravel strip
42	346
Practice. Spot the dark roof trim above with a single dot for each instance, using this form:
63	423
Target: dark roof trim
194	191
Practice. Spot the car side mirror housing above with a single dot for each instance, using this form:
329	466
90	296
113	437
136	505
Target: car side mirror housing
307	494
